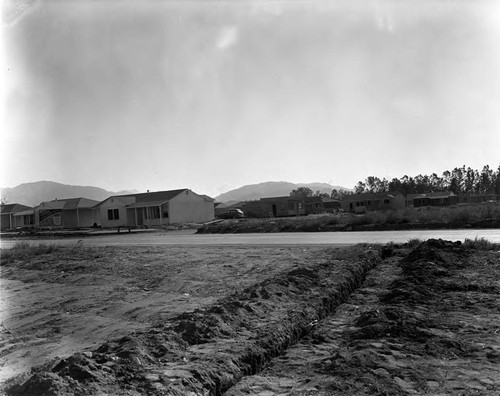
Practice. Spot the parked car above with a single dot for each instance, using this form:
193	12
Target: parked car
232	214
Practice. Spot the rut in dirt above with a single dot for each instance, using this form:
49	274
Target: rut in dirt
207	351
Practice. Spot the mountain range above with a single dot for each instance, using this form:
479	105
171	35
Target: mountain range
272	189
34	193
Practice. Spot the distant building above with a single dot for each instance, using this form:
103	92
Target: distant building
8	211
155	209
442	198
284	206
318	205
365	202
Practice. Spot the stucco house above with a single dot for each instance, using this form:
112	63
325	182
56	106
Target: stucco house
365	202
66	213
8	211
155	208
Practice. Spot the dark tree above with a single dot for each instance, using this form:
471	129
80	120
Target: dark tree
302	192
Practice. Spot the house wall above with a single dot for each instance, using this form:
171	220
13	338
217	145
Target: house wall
124	216
190	207
53	219
85	218
5	221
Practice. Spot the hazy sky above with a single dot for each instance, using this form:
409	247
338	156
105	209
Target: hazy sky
213	95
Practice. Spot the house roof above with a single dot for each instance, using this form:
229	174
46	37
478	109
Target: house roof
13	208
436	195
25	212
68	204
282	198
145	204
370	196
155	196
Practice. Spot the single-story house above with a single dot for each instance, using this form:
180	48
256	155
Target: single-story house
443	198
317	205
276	207
365	202
7	220
155	208
66	213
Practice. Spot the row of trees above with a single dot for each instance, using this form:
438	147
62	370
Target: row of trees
462	181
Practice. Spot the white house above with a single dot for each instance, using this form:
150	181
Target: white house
155	208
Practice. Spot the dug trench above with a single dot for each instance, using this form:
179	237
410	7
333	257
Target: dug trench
426	321
207	351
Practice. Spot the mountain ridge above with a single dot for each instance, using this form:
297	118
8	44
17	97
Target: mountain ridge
34	193
272	189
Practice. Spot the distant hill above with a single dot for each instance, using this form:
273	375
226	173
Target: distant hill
32	194
272	189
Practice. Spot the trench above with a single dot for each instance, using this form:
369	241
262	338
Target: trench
210	350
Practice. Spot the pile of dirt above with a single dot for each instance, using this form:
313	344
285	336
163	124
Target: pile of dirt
441	338
208	350
416	325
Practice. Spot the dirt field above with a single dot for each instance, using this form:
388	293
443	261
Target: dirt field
250	320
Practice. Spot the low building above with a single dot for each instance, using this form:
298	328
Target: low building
318	205
155	209
442	198
8	211
66	213
284	206
365	202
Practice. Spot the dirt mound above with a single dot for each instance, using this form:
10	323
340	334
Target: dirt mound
206	351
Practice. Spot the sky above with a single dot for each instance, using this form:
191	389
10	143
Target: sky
213	95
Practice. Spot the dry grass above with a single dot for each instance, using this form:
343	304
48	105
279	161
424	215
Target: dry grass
481	244
26	250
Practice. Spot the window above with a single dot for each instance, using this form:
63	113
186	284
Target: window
300	205
113	214
386	201
152	212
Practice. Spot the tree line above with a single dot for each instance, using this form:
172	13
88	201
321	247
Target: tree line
461	180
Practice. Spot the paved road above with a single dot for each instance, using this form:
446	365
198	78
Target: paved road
296	238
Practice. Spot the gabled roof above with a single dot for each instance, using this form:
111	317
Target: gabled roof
68	204
13	208
163	196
